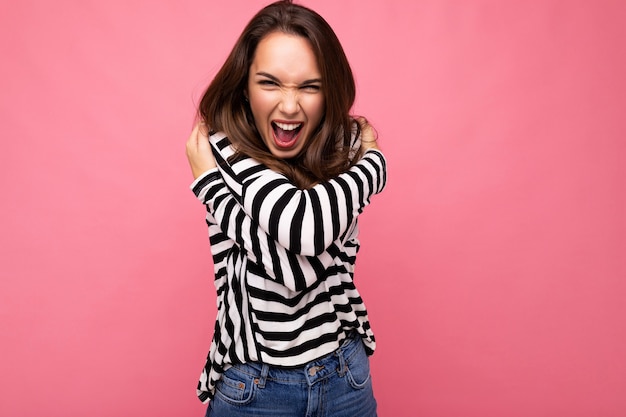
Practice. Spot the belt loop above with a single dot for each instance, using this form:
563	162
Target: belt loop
264	372
342	362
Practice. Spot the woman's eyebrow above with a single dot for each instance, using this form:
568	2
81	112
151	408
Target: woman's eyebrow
270	76
273	78
312	81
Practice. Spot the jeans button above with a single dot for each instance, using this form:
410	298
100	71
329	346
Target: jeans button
313	370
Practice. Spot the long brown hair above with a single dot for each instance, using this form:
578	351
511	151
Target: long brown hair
224	107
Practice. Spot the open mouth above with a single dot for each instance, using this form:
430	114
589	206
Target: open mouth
286	134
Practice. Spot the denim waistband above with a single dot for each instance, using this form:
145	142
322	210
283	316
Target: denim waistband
309	373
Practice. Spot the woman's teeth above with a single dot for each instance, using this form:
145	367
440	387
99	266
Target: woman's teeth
285	126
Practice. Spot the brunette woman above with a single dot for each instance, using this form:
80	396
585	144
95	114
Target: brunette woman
284	172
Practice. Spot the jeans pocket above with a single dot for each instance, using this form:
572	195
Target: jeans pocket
235	388
358	370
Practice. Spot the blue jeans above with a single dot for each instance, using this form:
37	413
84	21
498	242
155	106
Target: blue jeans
336	385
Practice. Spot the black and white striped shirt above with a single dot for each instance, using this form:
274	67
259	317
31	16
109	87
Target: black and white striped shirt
284	261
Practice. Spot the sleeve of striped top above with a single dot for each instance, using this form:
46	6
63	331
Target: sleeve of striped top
307	222
226	218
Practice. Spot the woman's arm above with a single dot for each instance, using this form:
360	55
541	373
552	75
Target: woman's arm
295	271
230	225
309	221
305	222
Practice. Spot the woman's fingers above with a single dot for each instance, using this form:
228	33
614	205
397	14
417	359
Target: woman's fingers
368	134
199	152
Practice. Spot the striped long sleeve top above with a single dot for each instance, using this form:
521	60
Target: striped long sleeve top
283	261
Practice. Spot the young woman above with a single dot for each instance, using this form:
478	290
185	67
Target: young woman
284	172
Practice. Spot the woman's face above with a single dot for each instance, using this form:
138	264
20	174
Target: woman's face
285	93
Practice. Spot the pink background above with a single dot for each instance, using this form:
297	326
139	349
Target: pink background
493	265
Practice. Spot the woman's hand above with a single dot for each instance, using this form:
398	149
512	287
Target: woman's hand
199	151
368	134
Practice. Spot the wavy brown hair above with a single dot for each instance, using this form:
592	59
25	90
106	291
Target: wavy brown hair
224	106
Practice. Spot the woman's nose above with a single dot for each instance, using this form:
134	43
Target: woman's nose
289	102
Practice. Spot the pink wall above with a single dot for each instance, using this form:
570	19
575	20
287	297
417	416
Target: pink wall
493	265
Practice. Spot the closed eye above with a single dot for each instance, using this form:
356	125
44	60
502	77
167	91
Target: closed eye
313	88
267	82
